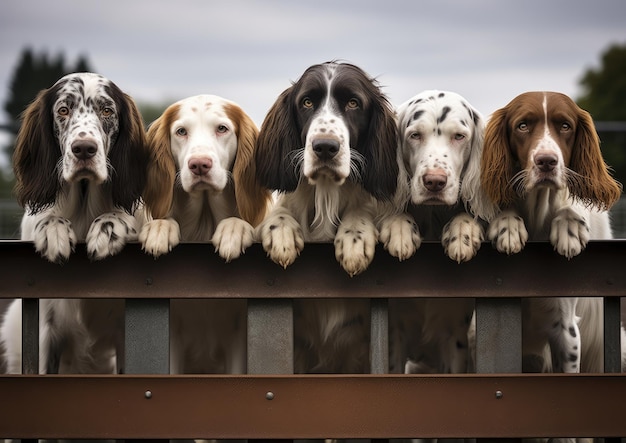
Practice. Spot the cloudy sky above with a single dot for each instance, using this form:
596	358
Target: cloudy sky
250	50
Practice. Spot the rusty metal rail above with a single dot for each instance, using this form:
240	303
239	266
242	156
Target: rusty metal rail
503	404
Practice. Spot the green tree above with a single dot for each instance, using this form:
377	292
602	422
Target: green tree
604	95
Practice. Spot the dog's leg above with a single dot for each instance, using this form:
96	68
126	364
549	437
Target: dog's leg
355	242
564	338
281	236
570	232
109	233
461	238
508	233
400	235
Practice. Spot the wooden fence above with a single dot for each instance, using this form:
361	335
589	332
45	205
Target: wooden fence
270	402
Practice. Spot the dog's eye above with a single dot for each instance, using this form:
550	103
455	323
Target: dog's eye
307	103
459	136
415	136
353	103
566	127
107	112
63	111
522	126
181	132
222	129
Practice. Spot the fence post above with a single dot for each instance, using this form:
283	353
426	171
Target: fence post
147	336
270	336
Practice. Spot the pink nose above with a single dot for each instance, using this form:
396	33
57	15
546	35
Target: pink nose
200	165
435	182
546	162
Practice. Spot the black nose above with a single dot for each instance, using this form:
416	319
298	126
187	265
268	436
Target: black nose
84	149
325	148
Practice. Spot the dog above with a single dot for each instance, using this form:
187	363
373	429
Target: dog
542	165
204	189
80	166
327	145
440	199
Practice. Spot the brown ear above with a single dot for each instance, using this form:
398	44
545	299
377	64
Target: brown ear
159	191
496	167
595	185
37	154
252	199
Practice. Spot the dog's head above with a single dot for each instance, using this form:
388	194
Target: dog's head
82	128
332	125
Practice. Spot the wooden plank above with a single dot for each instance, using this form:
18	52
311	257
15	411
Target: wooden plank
194	270
321	406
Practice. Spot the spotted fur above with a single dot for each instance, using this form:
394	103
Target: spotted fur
80	167
328	145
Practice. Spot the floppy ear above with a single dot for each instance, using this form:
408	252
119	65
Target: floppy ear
158	194
252	199
129	155
496	167
596	186
380	174
472	192
37	154
278	137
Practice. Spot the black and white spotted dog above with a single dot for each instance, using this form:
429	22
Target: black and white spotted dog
439	154
80	167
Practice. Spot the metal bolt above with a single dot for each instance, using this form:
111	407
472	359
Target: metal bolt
148	394
269	395
499	395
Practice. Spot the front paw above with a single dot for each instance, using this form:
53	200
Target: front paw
54	239
231	238
159	236
355	246
400	235
507	233
569	233
109	233
282	238
461	238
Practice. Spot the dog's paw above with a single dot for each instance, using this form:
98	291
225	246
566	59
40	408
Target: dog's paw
569	233
231	238
400	235
507	233
54	238
282	238
461	238
109	233
159	236
355	244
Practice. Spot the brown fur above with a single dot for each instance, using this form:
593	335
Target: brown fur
499	163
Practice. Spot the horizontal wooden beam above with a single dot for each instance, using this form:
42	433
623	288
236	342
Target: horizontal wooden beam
195	270
320	406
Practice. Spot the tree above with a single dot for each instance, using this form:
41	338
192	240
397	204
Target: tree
604	95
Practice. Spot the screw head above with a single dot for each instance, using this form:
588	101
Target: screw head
148	394
499	395
269	395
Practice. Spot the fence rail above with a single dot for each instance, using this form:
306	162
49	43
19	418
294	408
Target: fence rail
271	403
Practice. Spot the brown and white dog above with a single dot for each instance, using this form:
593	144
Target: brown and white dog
80	167
328	146
203	188
542	165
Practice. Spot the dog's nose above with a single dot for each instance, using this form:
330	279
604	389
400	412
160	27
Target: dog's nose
325	148
84	149
546	162
200	165
435	182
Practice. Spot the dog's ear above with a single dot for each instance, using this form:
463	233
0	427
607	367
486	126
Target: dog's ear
496	167
595	187
472	192
380	174
278	138
252	199
158	194
37	153
129	154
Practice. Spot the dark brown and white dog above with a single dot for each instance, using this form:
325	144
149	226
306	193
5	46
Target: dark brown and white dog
203	188
439	153
328	145
543	166
80	168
